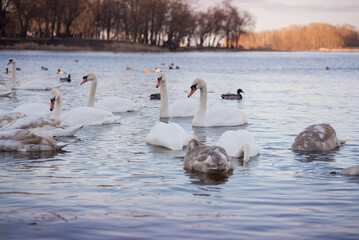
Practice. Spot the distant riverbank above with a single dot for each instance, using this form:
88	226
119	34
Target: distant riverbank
78	44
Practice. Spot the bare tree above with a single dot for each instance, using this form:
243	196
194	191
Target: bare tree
4	19
24	10
72	10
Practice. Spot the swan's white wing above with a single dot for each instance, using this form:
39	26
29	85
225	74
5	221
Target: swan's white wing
33	109
116	104
170	135
233	141
183	108
89	116
222	116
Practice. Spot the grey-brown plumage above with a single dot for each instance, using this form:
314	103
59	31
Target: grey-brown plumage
207	159
237	96
27	141
316	137
351	171
66	79
10	117
155	96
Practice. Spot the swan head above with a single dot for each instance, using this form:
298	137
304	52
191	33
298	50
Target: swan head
239	91
192	144
197	84
89	77
161	77
11	61
54	95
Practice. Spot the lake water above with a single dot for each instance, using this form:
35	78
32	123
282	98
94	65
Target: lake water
109	184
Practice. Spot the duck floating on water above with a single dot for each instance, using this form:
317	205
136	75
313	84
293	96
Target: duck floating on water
237	96
7	71
60	72
44	68
147	70
129	69
66	79
155	96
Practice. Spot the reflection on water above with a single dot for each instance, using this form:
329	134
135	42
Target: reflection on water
108	183
199	178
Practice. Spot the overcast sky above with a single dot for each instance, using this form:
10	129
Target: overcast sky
276	14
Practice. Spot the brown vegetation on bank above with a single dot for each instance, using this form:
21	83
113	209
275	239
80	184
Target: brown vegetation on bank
314	36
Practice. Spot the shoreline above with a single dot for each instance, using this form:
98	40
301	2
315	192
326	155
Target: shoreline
73	44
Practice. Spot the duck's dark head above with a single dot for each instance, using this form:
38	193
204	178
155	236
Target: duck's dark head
239	91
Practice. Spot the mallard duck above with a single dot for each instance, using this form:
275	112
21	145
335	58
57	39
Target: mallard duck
66	79
7	71
75	61
60	72
170	67
237	96
156	96
158	70
147	70
44	68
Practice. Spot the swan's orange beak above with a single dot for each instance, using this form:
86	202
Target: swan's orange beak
52	104
159	80
85	80
10	61
193	89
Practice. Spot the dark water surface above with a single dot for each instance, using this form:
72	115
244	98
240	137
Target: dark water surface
108	184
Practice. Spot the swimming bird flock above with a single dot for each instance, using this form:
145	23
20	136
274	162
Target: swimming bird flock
34	126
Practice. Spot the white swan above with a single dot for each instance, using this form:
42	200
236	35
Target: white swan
113	104
81	116
23	140
43	126
207	159
239	143
168	135
351	171
316	137
37	124
180	108
218	116
4	92
31	85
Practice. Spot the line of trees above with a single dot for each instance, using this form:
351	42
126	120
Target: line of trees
156	22
303	37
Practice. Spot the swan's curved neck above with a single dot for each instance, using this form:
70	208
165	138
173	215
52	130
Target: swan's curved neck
13	79
91	99
58	109
198	119
164	100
